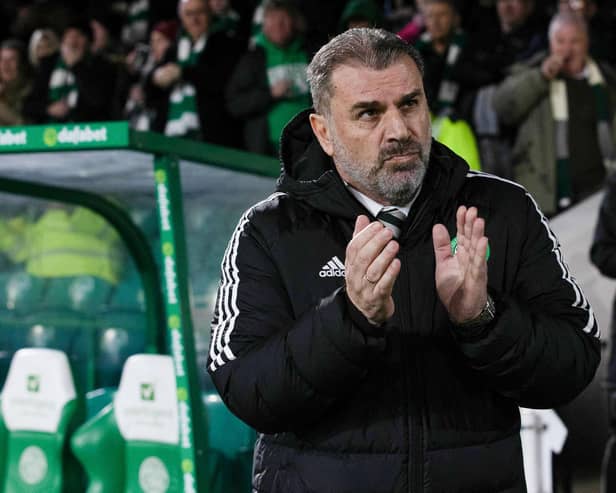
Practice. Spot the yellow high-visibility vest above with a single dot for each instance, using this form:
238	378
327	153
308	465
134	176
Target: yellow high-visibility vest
459	137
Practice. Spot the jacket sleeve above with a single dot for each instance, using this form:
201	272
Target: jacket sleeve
275	370
518	94
543	347
603	248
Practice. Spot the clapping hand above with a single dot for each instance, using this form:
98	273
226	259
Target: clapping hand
372	269
462	277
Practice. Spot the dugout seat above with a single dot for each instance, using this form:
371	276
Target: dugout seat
138	433
39	406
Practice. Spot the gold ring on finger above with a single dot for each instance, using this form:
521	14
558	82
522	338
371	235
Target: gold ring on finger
369	280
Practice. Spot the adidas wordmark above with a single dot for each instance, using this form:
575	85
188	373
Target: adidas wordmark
333	268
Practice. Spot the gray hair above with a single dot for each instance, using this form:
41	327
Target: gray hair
373	48
567	18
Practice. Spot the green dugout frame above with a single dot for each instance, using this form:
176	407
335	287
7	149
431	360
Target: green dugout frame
167	308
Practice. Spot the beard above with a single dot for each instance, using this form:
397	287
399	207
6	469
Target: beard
387	183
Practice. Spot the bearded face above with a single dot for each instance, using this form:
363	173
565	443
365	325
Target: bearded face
378	130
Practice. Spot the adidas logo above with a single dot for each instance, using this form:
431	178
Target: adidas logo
333	268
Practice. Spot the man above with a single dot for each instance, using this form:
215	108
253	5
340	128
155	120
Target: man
571	97
441	47
14	82
516	33
269	84
73	85
379	358
198	78
445	80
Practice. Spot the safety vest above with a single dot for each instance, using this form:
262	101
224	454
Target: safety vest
458	136
62	244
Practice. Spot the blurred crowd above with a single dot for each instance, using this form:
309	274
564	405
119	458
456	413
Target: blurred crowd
233	72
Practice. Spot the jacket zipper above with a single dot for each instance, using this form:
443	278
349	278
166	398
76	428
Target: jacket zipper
413	381
413	421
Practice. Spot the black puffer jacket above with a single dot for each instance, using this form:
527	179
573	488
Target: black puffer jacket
418	406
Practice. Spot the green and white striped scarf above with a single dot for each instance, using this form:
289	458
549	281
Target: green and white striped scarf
136	25
449	88
183	119
560	112
62	84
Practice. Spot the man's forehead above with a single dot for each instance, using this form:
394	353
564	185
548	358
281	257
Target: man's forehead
354	80
184	4
569	29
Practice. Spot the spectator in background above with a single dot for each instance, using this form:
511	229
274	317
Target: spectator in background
147	103
106	35
73	85
224	18
15	82
360	13
600	28
269	85
441	47
43	43
413	29
516	35
198	76
321	19
569	94
138	17
135	26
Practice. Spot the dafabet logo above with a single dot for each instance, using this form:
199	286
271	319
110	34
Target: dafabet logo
10	137
74	135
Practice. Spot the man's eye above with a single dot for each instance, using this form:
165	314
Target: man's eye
409	103
366	114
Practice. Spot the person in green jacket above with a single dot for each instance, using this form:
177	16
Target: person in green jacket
269	85
564	110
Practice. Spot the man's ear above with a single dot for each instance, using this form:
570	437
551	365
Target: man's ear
322	132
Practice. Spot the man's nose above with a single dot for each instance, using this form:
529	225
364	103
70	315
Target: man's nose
396	127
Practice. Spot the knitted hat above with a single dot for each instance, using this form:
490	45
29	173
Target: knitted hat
168	29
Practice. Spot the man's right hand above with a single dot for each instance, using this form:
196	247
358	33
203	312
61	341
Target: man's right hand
551	66
371	270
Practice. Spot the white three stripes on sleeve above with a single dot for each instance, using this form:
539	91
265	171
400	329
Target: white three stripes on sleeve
581	302
227	309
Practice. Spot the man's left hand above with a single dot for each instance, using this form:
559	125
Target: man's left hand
462	277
